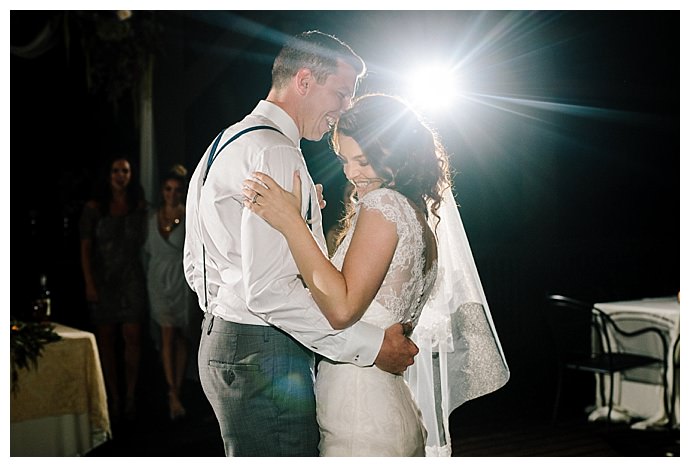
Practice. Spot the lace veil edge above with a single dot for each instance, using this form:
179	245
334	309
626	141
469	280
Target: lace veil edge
460	356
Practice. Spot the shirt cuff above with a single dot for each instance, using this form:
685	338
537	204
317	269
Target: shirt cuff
362	344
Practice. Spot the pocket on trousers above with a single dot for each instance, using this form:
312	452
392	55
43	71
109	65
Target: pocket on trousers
229	371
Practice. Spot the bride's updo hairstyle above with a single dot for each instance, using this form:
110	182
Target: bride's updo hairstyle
400	147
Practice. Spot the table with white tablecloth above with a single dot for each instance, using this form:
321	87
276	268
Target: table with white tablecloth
640	393
60	407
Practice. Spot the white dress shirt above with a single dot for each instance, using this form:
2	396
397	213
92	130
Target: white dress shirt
250	275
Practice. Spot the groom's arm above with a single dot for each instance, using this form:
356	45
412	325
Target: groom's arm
397	350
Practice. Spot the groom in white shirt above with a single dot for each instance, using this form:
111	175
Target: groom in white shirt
261	326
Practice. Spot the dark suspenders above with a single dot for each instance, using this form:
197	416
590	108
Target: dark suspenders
215	151
212	157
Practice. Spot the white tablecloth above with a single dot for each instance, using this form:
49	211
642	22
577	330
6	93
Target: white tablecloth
639	392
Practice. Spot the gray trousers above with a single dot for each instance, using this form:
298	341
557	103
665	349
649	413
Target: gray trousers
260	383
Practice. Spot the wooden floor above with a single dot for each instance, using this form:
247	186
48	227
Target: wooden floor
152	434
574	438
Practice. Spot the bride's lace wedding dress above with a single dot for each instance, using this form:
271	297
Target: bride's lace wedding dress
366	411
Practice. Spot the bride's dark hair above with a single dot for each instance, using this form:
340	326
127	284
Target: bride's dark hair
401	148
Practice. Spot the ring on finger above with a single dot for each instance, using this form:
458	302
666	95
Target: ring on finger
254	198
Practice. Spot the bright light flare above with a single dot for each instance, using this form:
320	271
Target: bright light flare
433	87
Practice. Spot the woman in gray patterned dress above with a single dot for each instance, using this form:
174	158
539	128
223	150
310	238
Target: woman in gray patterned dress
112	228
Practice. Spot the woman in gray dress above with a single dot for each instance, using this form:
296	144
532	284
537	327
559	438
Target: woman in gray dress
169	295
112	230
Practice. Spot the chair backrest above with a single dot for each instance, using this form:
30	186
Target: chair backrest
582	330
574	330
633	337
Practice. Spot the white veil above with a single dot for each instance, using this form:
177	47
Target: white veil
460	356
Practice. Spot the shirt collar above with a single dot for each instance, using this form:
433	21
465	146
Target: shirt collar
283	121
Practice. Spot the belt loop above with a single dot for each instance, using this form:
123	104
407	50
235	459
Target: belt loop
267	332
210	325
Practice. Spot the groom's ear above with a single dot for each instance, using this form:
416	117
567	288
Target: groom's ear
303	80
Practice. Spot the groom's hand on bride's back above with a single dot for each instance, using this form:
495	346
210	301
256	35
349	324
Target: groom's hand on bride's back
397	351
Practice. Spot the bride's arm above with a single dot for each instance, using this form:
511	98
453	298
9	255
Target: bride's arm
342	296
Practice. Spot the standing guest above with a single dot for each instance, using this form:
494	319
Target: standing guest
261	326
112	231
170	298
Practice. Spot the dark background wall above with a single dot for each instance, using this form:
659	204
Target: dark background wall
567	170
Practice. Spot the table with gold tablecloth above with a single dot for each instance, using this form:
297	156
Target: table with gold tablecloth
60	407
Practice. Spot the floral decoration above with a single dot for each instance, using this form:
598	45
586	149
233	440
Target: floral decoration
27	340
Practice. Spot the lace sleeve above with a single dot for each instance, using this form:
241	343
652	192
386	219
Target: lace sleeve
404	289
387	202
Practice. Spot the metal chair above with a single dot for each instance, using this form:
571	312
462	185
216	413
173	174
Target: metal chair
587	339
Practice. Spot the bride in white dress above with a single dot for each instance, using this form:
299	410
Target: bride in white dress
366	411
382	272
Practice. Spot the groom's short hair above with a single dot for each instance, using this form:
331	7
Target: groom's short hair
317	51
